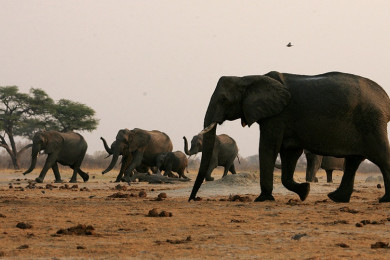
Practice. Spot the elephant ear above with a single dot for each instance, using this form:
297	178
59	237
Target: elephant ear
139	140
263	97
54	142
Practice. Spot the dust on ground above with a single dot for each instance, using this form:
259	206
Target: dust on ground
101	219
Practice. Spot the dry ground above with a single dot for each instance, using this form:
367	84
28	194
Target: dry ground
208	229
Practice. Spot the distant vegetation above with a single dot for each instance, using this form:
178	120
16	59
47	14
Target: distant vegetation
24	114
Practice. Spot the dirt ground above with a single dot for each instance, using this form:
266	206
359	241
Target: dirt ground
90	220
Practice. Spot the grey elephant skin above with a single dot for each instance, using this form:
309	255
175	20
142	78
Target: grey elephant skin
126	159
172	162
224	153
138	148
294	112
328	163
65	148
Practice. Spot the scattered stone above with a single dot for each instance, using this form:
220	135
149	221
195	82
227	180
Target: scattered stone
298	236
239	198
50	186
180	241
379	186
2	253
30	235
237	221
142	194
321	201
121	195
154	213
78	230
31	185
346	209
2	216
162	195
81	247
23	225
75	186
292	202
343	245
380	245
43	192
121	187
84	189
10	186
198	199
365	222
359	225
23	247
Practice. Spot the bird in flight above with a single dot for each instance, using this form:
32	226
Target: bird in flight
289	44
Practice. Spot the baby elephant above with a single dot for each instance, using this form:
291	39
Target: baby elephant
172	162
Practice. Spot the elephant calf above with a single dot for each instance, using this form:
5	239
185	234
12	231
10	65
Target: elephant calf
172	162
65	148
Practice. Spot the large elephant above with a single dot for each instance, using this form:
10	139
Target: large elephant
126	159
328	163
224	153
65	148
332	114
141	148
172	162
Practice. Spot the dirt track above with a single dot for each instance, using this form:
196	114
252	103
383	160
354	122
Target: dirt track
211	228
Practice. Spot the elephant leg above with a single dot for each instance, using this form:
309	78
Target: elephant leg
313	165
121	171
56	173
83	175
213	165
344	191
232	169
137	161
289	158
50	161
225	171
268	151
329	175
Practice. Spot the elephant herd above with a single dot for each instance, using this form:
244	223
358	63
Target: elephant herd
141	151
332	114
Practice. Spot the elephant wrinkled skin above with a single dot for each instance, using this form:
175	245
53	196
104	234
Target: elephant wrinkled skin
294	112
65	148
172	162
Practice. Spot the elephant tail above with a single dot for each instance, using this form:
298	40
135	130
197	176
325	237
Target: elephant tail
238	158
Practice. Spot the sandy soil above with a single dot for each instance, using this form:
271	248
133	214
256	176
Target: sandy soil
41	221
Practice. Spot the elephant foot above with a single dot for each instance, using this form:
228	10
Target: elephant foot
329	181
126	179
209	178
58	181
315	179
38	180
86	178
118	180
385	198
303	190
337	196
262	198
73	181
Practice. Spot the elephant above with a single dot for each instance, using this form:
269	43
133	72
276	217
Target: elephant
172	162
294	112
65	148
126	159
328	163
225	151
140	148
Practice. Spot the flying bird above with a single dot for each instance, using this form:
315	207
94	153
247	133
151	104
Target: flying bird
289	44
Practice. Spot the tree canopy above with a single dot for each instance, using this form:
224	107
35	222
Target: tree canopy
24	114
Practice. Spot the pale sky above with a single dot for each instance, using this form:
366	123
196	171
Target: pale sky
155	64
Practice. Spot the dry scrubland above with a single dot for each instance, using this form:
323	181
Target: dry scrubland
99	219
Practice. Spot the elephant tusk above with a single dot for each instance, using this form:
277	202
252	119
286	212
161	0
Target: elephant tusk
207	129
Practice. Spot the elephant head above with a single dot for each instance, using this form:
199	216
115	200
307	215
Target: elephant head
196	145
251	98
126	142
161	161
49	141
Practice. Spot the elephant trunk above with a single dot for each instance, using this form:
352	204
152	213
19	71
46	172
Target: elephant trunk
34	156
108	149
208	146
186	146
113	161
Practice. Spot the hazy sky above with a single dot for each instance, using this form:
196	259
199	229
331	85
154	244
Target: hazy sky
155	64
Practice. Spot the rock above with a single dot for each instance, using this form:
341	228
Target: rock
81	247
240	198
343	245
162	195
2	216
165	214
358	224
142	194
153	213
379	186
380	245
23	225
121	187
298	236
78	230
23	247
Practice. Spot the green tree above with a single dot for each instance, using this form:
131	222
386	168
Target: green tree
24	114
